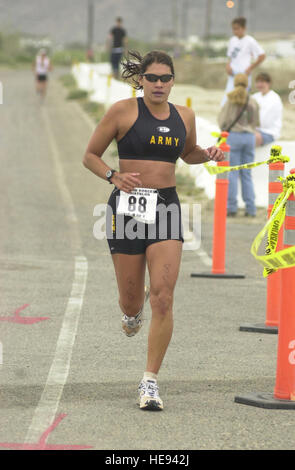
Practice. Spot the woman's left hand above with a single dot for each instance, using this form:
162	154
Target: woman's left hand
214	153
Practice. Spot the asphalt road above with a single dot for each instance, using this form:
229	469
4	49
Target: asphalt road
70	379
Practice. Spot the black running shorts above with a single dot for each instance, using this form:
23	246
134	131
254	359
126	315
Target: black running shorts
42	78
126	235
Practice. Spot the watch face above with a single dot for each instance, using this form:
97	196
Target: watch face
109	173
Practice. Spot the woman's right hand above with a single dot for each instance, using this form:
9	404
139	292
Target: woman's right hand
126	181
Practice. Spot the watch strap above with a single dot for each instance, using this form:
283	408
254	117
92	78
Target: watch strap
109	177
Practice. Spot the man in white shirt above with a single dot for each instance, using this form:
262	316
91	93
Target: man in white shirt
270	110
242	48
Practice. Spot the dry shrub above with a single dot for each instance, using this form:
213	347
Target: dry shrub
197	71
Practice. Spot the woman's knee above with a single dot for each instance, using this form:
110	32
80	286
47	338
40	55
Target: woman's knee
161	300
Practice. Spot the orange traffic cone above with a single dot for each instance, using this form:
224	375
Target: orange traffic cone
219	226
284	392
273	296
285	380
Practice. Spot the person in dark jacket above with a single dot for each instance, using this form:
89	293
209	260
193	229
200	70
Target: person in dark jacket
117	41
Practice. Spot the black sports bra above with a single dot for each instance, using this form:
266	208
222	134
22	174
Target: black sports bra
153	139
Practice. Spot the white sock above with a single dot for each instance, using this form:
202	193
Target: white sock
149	375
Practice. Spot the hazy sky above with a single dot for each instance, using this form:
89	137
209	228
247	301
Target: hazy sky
66	20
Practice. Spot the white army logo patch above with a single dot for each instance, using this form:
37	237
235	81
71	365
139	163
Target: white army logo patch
163	129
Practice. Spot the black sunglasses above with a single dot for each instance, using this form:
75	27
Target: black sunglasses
151	77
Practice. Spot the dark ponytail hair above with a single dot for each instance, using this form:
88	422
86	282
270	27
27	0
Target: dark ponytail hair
136	65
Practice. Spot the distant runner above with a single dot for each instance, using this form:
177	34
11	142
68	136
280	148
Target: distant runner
144	228
42	66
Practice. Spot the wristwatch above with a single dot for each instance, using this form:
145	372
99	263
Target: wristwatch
109	175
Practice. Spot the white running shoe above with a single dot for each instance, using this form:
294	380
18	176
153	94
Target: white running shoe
149	396
131	325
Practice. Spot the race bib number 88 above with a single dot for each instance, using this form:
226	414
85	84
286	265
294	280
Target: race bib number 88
141	204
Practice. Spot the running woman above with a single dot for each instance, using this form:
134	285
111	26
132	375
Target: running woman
151	134
42	67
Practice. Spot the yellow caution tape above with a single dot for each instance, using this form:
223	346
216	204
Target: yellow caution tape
272	260
276	150
214	170
221	140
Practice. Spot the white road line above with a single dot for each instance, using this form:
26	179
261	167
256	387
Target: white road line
205	258
192	241
48	405
49	402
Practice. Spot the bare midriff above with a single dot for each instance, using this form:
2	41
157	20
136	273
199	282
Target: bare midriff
153	174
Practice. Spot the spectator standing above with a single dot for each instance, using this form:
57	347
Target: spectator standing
117	42
240	117
270	110
242	49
